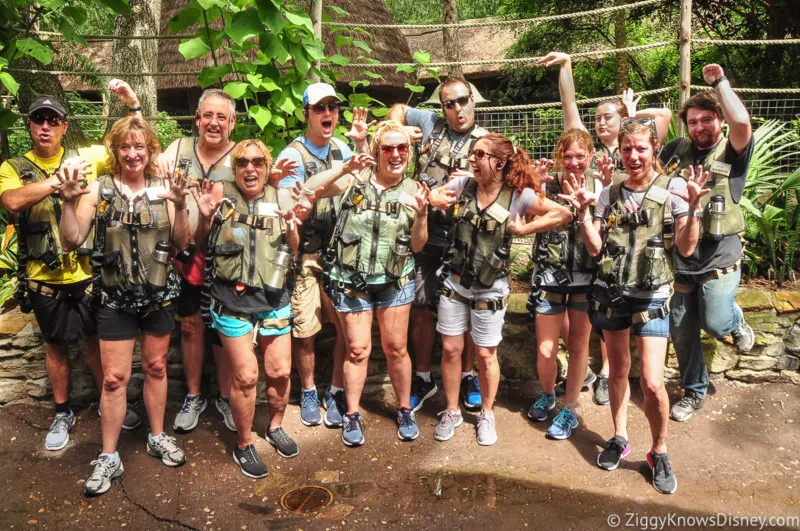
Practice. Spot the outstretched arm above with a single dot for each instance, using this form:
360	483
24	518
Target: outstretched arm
734	111
566	88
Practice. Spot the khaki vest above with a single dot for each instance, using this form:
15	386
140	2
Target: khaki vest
187	154
718	182
439	155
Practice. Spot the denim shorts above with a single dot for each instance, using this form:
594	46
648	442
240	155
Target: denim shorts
386	298
233	327
546	307
653	328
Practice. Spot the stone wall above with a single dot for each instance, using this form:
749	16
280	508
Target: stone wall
774	315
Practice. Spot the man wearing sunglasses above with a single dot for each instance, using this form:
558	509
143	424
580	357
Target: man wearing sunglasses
52	283
443	152
707	281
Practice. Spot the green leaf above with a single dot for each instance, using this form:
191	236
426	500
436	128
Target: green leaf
9	82
245	24
270	15
300	60
77	15
185	19
261	115
208	4
315	52
35	49
414	88
380	112
373	75
422	57
213	74
278	120
358	83
339	60
408	69
272	47
254	79
343	40
270	85
118	6
7	119
67	28
287	105
300	19
193	48
363	45
338	10
236	89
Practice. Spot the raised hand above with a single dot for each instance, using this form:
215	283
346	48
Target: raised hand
358	162
629	102
165	166
290	218
516	225
123	92
203	196
415	133
459	173
176	190
304	200
694	187
71	179
420	205
442	197
575	192
554	58
359	127
541	168
712	73
281	169
606	168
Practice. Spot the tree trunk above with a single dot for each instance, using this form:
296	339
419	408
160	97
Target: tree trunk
452	46
621	41
137	55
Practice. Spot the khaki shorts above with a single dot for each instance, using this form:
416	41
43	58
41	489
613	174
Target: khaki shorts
308	299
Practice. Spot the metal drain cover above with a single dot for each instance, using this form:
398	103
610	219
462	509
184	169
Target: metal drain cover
306	500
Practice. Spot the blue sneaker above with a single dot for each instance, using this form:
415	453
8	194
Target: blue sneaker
471	393
407	429
352	429
539	410
563	424
334	406
421	391
309	408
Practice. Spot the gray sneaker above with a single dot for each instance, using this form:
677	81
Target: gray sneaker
105	469
284	445
446	428
683	409
58	436
487	435
131	421
164	447
224	407
744	337
600	395
187	418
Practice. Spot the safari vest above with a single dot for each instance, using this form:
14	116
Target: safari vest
244	238
732	221
187	160
369	224
625	259
317	229
440	155
477	234
601	150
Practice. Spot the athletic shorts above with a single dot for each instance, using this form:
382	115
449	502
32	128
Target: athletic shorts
386	298
64	314
455	318
188	301
307	297
426	265
652	328
549	307
236	327
116	325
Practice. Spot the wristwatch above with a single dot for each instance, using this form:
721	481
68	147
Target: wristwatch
135	108
718	81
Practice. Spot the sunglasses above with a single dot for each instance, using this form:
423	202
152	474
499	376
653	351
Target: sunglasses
258	162
388	150
462	101
479	154
320	108
39	118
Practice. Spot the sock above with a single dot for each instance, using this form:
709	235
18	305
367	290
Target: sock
63	408
465	374
335	389
425	376
571	407
156	438
487	414
311	389
114	457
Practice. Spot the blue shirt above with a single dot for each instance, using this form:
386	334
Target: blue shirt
320	152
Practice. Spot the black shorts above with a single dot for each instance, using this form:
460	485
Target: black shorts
115	325
65	312
426	264
188	302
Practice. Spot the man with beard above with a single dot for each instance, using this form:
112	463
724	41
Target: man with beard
443	149
205	157
706	282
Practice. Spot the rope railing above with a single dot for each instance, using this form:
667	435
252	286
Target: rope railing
555	104
745	42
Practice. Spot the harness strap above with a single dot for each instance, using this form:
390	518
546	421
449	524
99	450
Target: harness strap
636	317
47	291
274	323
353	293
492	305
713	275
561	298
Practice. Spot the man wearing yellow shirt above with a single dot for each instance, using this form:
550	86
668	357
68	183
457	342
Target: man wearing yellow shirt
51	282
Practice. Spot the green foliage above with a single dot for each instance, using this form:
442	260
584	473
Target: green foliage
8	260
430	11
168	129
421	61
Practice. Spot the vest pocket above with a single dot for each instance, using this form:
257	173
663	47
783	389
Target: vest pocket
39	239
348	249
228	261
111	269
555	249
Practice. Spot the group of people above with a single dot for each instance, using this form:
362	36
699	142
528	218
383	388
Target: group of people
254	255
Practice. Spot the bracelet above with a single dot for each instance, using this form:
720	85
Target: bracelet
718	81
135	108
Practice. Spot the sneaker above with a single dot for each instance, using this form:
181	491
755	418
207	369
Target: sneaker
471	393
334	406
58	436
616	449
664	480
561	387
187	418
105	469
446	428
224	407
309	408
563	424
421	391
539	409
744	337
131	421
487	435
250	462
683	409
352	429
164	447
407	429
600	395
284	444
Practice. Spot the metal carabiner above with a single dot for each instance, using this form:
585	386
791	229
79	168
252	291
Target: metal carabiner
223	215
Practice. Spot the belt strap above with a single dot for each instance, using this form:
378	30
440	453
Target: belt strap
353	293
46	291
713	275
637	317
492	305
561	298
275	323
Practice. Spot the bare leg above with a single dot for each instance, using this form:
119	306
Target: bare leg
578	348
303	354
393	324
278	367
192	351
116	357
223	370
57	365
244	377
468	359
452	350
358	338
154	365
423	322
619	391
489	374
339	349
548	329
91	348
653	351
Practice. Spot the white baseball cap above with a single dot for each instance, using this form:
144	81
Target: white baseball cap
318	91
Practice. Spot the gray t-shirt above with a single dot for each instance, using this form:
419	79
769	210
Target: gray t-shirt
321	152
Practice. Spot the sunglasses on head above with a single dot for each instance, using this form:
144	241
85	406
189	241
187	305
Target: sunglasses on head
40	117
258	162
462	101
320	108
388	150
648	122
479	154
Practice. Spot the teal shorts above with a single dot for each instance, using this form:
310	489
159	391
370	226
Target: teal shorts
233	327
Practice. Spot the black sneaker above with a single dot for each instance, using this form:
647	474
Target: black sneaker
616	449
683	409
284	444
421	391
664	480
600	395
561	387
250	462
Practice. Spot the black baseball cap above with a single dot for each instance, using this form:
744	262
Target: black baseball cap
47	102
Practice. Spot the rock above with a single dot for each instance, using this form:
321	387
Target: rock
14	322
787	363
719	356
11	390
37	388
749	376
752	299
518	360
29	341
9	352
516	332
671	374
756	363
791	297
791	376
765	321
327	476
783	306
38	353
792	339
21	368
518	303
785	320
774	349
340	511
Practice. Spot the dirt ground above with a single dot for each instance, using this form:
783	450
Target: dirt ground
737	457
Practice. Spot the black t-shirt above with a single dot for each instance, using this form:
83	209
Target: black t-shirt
710	255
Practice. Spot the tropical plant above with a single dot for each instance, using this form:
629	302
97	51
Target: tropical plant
8	262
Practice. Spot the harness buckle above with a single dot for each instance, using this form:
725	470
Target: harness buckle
222	214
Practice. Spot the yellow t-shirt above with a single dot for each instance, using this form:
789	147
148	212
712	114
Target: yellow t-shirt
73	268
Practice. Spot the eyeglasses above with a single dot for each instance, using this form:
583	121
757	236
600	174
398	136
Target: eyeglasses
39	118
647	122
388	149
479	154
320	108
258	162
462	101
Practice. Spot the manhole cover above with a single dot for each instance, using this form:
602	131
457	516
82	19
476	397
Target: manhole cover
306	500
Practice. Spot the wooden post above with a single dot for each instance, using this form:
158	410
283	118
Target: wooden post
316	20
452	45
621	41
685	55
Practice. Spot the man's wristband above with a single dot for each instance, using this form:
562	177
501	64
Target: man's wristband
718	81
135	108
